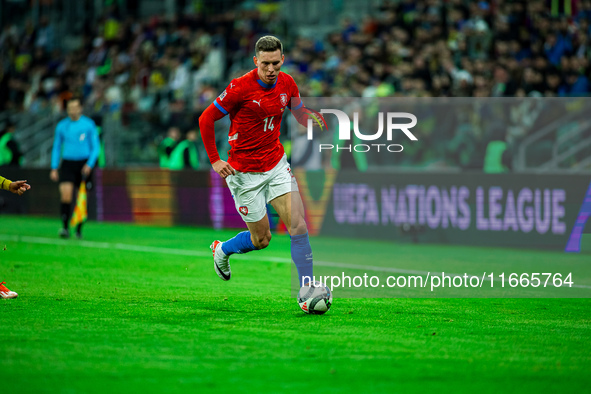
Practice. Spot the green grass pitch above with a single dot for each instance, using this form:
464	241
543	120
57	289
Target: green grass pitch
118	313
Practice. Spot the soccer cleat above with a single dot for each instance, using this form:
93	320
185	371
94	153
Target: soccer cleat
64	233
78	235
221	262
5	292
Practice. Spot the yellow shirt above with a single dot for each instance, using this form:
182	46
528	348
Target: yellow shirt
4	183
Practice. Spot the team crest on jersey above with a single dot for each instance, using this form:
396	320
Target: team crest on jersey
223	95
243	210
283	99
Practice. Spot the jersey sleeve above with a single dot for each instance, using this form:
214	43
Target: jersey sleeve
300	112
295	101
4	183
57	147
229	99
95	145
207	129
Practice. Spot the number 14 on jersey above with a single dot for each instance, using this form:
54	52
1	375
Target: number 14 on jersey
269	124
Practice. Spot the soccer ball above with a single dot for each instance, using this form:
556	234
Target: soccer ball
315	299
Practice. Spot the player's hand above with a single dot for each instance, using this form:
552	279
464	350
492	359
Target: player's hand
54	175
317	122
19	187
86	170
223	168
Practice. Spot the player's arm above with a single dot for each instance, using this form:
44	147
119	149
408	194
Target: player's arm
56	153
16	187
207	129
95	147
4	183
220	107
301	113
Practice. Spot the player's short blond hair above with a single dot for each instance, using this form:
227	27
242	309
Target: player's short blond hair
268	44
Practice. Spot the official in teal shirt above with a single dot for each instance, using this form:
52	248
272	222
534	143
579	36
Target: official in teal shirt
77	144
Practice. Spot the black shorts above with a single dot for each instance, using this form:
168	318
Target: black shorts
71	171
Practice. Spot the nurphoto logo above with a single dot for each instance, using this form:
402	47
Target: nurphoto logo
345	131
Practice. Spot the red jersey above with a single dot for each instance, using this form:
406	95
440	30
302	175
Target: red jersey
256	110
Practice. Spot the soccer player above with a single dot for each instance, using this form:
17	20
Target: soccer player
16	187
78	136
257	171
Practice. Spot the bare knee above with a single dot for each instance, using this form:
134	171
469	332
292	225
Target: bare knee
66	192
261	241
298	227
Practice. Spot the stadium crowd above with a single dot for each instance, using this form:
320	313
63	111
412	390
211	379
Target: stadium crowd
455	48
427	48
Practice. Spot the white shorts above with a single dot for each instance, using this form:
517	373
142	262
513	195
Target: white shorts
253	190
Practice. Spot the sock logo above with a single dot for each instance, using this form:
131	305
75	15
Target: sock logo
309	256
243	210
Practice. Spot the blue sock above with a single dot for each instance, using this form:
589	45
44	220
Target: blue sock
301	254
241	243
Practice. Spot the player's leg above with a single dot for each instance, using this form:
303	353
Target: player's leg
66	192
259	234
257	237
249	197
284	196
68	178
5	292
291	211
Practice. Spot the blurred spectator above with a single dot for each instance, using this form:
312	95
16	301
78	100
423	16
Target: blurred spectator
10	154
167	145
185	155
45	35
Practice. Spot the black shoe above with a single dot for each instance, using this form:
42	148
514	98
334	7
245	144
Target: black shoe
78	235
64	233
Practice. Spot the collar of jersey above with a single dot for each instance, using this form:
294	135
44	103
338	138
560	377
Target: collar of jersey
268	86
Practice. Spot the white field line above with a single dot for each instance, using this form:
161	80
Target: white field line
195	253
